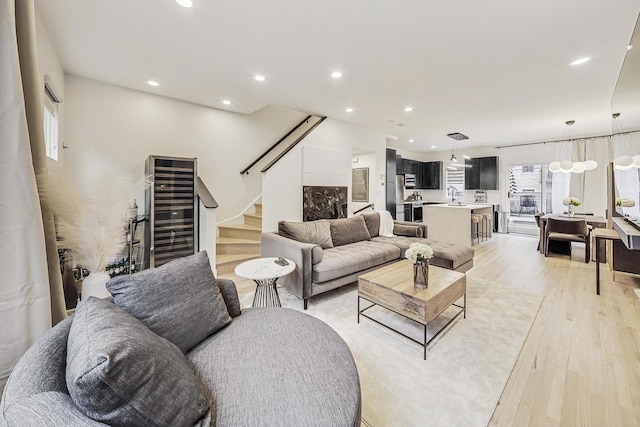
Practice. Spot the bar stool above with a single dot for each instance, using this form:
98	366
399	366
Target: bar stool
486	223
475	228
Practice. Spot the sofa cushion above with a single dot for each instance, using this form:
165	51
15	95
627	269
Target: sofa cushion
407	230
121	373
352	258
178	301
372	220
316	232
349	230
445	255
229	293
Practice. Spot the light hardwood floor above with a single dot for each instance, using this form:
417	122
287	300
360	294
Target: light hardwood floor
580	365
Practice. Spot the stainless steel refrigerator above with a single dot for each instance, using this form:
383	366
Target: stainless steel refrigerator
400	197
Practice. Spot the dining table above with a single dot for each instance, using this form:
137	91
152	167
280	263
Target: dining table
593	221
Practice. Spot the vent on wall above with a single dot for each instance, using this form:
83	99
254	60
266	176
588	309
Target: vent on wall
51	92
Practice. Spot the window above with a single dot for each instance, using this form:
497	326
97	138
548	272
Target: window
51	101
51	129
455	182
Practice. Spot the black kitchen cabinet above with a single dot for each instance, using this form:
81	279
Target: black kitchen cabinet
489	173
408	212
482	175
431	176
399	165
411	166
472	174
391	182
428	174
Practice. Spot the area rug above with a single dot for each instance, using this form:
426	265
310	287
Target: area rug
467	366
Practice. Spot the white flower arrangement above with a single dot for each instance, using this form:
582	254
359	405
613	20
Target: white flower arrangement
93	226
625	203
571	201
419	252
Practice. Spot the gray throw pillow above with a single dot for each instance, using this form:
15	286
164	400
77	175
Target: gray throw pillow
373	223
314	232
179	301
407	230
349	230
120	373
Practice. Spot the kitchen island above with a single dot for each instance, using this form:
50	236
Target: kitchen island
451	222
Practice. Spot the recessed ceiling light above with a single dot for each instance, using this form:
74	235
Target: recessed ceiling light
185	3
226	102
630	47
408	109
153	83
411	140
349	110
580	61
336	74
433	146
259	78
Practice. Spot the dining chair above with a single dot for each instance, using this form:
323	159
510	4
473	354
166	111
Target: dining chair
568	230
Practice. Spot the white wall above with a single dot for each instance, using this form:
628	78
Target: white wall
376	182
116	129
332	141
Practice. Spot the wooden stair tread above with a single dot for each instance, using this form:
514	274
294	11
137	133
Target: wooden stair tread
236	241
242	227
227	258
253	215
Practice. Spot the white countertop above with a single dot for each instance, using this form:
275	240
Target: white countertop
469	206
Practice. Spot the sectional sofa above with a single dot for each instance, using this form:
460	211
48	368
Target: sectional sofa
174	348
332	253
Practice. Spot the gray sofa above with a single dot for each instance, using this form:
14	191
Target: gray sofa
332	253
150	358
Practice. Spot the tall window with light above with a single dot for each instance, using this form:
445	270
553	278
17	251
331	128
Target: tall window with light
51	102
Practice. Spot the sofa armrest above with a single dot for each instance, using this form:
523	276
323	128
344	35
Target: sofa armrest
413	224
230	295
299	281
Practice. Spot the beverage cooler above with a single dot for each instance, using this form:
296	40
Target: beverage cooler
171	206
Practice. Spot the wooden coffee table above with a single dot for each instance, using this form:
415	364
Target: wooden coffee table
392	287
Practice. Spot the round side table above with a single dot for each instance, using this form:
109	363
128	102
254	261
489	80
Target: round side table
265	272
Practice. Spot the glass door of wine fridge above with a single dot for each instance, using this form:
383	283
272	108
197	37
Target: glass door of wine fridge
171	208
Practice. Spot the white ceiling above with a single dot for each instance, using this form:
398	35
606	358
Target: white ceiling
497	71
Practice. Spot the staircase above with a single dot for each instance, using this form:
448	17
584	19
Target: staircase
239	243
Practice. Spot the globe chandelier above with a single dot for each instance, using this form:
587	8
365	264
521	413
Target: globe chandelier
623	162
571	166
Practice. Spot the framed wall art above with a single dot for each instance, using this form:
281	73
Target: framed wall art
360	185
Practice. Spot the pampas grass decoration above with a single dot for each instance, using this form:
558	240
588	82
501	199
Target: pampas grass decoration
93	226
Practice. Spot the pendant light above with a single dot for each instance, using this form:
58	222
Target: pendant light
569	166
457	136
623	162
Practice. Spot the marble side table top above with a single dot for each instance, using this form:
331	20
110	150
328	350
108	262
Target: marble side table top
264	268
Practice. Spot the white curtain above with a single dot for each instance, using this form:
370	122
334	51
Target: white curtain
25	293
590	186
